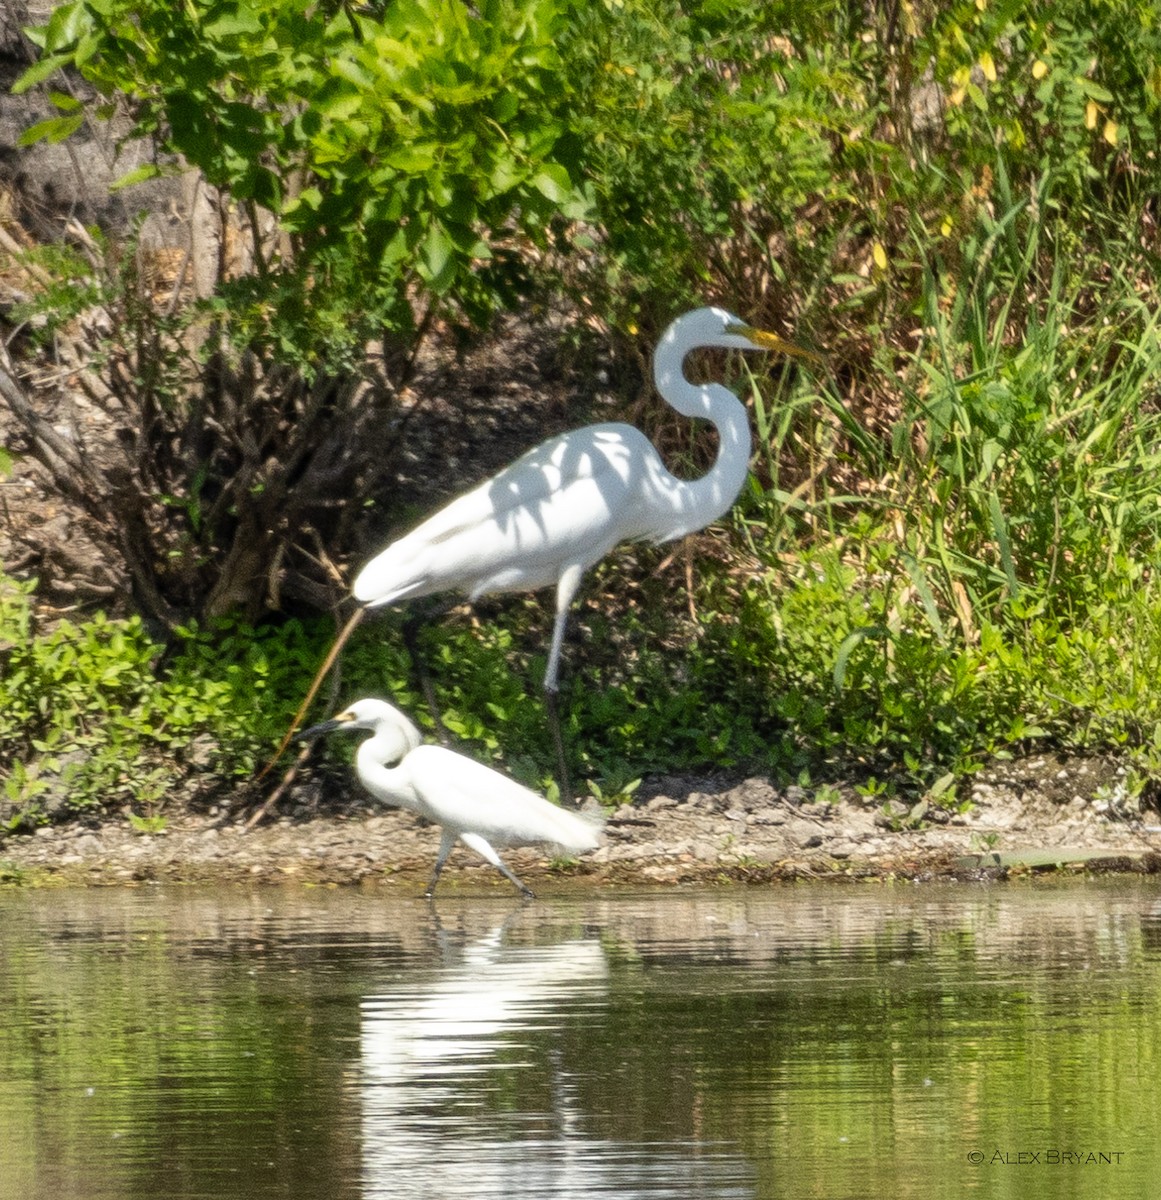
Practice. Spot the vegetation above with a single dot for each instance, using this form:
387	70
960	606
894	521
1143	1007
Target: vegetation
368	179
948	547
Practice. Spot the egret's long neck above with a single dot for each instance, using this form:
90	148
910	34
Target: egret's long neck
703	500
377	765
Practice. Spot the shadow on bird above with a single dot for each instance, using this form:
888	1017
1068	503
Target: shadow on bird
561	507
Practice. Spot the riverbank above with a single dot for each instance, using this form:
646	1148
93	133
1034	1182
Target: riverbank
1039	813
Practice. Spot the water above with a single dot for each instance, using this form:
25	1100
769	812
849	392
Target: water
793	1042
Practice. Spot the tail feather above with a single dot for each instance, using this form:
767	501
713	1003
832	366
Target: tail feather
579	831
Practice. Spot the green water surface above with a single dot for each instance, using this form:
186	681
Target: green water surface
861	1041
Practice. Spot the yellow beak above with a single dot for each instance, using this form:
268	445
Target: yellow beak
766	340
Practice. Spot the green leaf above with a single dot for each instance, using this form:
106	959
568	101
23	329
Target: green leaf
137	175
1000	528
990	454
942	784
553	183
846	649
919	579
309	197
505	106
64	101
88	46
1094	90
437	254
413	159
65	25
40	70
233	23
506	174
55	129
340	106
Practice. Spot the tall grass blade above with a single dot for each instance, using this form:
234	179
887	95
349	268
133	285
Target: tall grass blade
1000	530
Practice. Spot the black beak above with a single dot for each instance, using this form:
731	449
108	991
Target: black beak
318	730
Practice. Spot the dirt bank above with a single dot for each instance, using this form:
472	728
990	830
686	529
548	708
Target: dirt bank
1038	813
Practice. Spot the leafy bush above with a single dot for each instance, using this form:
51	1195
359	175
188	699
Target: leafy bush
702	132
375	171
89	720
786	158
399	151
956	608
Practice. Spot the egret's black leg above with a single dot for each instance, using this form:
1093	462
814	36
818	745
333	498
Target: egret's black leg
411	627
550	697
525	891
430	893
484	849
501	867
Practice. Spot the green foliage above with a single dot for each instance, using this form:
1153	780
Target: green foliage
379	171
701	132
996	587
948	548
67	288
780	157
153	823
403	152
90	720
1060	86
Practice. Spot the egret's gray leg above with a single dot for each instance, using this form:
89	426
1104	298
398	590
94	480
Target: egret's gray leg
566	589
524	890
411	627
484	849
446	842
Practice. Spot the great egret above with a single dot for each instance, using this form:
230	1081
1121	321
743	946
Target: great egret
466	799
563	505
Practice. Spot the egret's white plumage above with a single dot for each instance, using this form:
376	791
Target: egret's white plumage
468	800
565	504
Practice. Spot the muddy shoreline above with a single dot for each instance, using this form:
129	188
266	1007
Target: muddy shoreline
1044	813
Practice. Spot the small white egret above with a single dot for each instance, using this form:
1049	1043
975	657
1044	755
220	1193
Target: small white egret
466	799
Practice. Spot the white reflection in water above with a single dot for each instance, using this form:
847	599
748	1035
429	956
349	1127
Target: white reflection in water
439	1121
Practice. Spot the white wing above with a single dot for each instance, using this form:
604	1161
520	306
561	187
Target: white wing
466	796
569	500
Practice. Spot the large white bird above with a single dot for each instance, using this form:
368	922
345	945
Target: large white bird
562	506
468	800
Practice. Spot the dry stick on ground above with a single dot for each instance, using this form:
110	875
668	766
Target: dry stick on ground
316	683
305	752
328	662
285	782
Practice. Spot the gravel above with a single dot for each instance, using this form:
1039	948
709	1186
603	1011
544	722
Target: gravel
680	831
